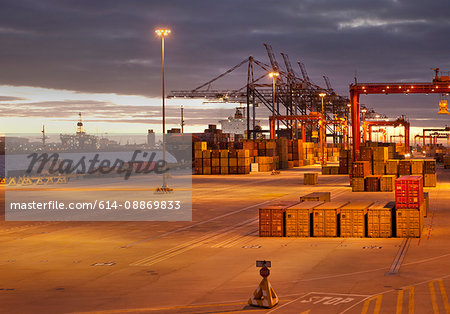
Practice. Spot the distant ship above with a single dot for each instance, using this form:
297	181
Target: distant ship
236	124
80	140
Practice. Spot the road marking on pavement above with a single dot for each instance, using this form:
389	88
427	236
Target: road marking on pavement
433	296
410	300
236	239
186	246
378	298
395	267
342	190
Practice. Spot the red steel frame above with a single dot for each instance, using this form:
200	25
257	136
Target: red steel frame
386	88
446	129
396	123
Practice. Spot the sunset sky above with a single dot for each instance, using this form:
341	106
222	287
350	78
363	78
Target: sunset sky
102	58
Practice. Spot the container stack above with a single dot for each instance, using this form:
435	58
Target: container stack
385	168
345	162
316	216
361	169
282	152
429	173
409	203
380	156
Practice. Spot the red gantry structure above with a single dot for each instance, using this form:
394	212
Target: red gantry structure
439	85
367	128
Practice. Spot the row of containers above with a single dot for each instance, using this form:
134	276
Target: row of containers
316	216
268	155
363	179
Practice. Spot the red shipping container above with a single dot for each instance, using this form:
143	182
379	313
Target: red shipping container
409	192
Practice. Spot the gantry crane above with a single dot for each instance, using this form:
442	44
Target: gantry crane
437	86
293	95
368	124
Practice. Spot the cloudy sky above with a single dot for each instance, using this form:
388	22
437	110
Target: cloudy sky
102	57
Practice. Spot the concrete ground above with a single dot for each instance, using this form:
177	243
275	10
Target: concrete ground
208	265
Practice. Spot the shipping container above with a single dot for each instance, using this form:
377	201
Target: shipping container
429	166
408	192
387	183
379	219
404	167
326	170
334	170
311	178
326	220
426	203
446	160
392	167
417	167
372	183
380	154
361	169
379	167
409	223
299	220
358	184
200	146
316	197
353	219
271	219
366	154
429	180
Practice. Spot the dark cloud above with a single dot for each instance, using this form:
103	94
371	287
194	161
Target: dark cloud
10	98
110	46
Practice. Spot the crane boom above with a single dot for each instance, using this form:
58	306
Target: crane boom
273	60
303	69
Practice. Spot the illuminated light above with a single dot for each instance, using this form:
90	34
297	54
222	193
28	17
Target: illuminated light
387	87
272	74
407	90
322	95
412	86
399	87
383	90
437	86
162	32
432	90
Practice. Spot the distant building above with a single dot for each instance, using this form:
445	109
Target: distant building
236	124
151	139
